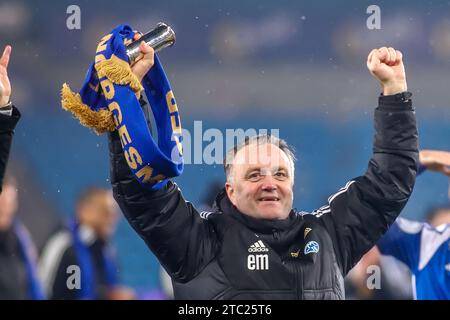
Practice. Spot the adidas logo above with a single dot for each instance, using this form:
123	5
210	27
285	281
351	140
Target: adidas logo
258	246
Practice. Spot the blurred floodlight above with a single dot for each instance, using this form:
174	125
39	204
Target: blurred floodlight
239	39
440	40
352	39
14	18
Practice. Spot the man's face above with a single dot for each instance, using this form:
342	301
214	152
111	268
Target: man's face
100	213
441	217
8	206
261	182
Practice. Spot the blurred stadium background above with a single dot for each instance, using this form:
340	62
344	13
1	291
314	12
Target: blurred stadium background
294	66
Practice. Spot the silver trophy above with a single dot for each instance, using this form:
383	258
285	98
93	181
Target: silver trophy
159	38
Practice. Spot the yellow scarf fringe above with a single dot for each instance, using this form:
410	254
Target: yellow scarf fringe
118	72
100	121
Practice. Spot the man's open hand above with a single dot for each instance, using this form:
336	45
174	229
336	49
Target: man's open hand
386	65
5	85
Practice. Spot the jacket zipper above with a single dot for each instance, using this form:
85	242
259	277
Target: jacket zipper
299	283
298	280
297	277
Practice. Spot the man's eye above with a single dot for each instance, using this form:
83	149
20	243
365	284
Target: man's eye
254	176
281	175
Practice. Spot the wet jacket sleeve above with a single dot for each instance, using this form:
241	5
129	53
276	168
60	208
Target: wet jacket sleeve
360	213
7	125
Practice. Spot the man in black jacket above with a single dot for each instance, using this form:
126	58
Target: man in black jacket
9	115
254	245
18	256
18	277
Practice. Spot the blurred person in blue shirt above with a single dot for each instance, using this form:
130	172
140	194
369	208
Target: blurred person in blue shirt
425	247
393	283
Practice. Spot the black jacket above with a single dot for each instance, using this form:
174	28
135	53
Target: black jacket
227	255
13	274
7	125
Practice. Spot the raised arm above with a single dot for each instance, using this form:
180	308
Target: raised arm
5	85
171	227
361	212
402	240
9	115
435	160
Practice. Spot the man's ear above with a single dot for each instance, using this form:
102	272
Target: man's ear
230	192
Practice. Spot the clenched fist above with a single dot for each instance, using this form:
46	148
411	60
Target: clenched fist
386	65
5	86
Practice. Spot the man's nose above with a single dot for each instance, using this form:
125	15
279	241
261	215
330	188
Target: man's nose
269	183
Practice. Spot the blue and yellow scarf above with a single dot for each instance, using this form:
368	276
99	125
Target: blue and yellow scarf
109	100
84	258
29	255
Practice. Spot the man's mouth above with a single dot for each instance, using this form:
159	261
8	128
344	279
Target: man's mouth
269	199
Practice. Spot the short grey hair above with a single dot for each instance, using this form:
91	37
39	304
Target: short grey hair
261	139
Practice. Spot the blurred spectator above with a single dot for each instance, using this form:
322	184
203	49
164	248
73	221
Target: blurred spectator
394	280
18	259
438	216
85	244
440	40
424	247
